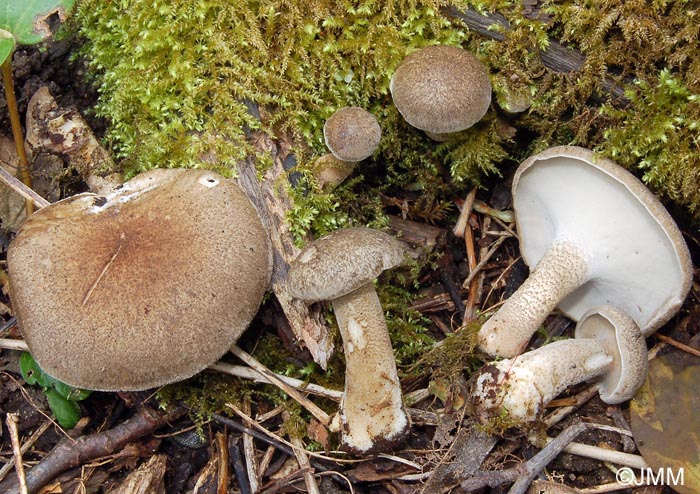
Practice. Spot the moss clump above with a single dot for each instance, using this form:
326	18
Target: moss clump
171	72
634	97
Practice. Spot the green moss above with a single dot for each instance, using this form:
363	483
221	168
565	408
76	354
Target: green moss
648	50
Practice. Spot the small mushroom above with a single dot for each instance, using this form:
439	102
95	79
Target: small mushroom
441	89
144	286
609	348
596	235
340	267
351	134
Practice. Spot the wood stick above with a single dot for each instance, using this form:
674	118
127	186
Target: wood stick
11	422
303	461
555	57
310	406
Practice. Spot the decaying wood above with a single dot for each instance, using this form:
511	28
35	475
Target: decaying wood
556	56
70	453
270	197
63	131
146	479
461	461
421	237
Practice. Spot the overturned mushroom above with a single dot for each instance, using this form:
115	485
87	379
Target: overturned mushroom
609	347
441	90
596	235
144	286
351	134
340	267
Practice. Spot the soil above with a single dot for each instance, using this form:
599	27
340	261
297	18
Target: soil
189	459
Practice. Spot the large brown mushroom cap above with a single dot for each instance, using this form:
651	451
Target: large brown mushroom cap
441	89
143	287
352	134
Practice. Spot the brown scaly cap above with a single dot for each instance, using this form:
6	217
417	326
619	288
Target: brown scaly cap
342	262
441	89
352	134
146	286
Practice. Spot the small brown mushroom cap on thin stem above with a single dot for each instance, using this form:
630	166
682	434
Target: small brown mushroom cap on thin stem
441	89
142	287
340	267
609	348
594	235
352	134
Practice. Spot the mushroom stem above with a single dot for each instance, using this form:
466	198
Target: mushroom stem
522	386
371	411
563	268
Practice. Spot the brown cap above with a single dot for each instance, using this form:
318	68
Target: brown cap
145	286
352	134
441	89
342	262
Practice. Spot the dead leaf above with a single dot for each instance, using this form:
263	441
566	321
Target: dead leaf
665	419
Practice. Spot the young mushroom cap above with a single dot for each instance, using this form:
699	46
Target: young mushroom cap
145	286
340	267
624	341
441	89
608	347
352	134
342	262
595	235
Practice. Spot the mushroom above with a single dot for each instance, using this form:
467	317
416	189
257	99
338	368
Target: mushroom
609	347
596	235
351	134
141	287
441	89
340	267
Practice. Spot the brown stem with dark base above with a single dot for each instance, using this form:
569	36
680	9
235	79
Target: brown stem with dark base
16	125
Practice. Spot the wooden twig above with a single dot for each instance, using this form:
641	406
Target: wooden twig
271	199
223	476
303	461
26	192
310	406
486	258
556	57
26	445
678	344
239	469
11	422
254	375
464	212
13	344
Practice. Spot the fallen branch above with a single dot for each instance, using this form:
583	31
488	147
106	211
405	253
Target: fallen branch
70	453
556	56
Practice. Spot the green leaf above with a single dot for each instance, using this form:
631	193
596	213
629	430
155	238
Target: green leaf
67	412
29	368
29	20
7	45
33	374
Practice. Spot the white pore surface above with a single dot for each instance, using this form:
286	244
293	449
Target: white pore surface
634	265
